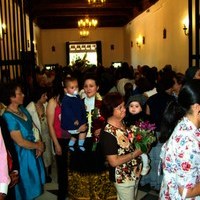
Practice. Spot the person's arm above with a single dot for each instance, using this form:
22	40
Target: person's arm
148	110
50	120
109	147
186	178
192	192
17	137
14	176
97	132
2	196
4	175
115	160
9	145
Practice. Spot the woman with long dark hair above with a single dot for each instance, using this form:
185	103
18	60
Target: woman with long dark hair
180	153
60	138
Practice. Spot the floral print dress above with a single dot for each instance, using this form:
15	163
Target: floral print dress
116	141
180	161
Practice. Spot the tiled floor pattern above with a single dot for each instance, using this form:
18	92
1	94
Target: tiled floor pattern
50	190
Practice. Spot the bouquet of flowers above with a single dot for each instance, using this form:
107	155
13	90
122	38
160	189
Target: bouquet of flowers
95	121
143	135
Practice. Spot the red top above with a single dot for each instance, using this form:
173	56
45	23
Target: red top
57	120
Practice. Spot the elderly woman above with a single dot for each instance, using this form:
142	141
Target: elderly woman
32	174
116	145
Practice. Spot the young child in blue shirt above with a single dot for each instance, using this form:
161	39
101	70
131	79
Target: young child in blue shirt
73	113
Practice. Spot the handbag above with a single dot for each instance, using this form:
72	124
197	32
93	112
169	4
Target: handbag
36	133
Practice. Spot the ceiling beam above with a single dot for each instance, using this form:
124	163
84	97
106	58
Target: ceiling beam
57	6
81	13
66	13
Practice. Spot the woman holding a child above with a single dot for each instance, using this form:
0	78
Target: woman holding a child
115	140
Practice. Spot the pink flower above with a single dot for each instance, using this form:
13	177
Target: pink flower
189	185
186	166
178	139
180	155
168	158
145	125
198	134
130	136
143	134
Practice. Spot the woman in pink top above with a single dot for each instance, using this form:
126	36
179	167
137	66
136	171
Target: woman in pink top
60	140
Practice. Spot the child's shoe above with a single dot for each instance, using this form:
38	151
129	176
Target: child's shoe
71	148
145	170
81	148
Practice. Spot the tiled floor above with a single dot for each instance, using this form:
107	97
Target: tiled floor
50	190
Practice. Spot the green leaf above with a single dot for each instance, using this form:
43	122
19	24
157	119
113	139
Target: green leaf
137	146
145	140
94	146
143	148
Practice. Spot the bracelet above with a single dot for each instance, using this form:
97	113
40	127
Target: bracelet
132	156
184	194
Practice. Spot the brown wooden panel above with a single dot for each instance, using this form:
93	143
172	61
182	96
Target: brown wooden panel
65	13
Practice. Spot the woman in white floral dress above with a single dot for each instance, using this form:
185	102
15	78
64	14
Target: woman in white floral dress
180	154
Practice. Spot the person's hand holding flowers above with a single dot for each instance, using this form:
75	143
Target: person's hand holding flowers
143	135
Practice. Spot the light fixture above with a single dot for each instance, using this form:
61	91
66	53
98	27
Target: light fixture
96	3
84	33
2	30
85	24
140	40
185	26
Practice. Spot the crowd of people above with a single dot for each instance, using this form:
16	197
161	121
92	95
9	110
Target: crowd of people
84	119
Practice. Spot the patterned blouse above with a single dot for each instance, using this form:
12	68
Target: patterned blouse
116	141
181	160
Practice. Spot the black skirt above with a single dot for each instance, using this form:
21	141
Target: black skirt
87	161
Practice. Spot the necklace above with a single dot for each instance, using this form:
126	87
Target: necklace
19	112
40	110
121	126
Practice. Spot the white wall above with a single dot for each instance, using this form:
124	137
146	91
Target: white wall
59	37
157	51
